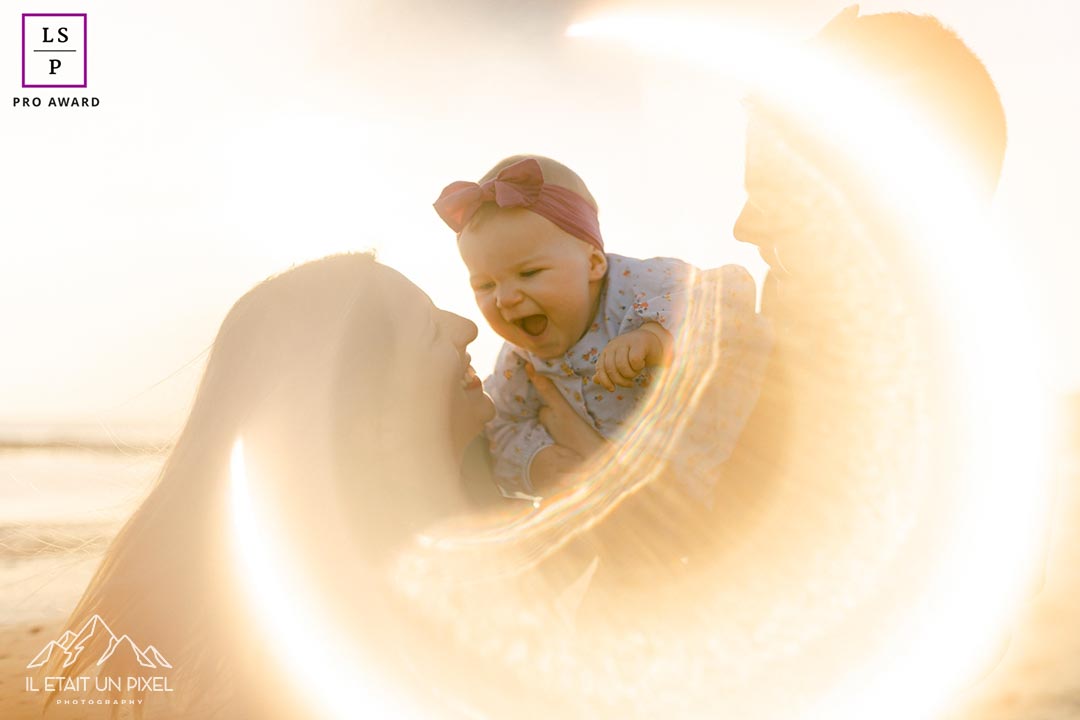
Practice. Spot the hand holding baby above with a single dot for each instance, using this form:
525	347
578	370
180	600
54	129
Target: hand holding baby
575	439
554	468
627	355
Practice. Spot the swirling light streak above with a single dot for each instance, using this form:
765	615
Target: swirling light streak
980	573
324	666
994	539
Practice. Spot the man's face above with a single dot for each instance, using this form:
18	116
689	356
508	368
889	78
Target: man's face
533	282
792	205
758	223
777	202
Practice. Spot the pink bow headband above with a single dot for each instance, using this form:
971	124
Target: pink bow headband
521	185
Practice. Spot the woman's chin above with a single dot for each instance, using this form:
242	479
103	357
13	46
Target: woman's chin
468	418
483	407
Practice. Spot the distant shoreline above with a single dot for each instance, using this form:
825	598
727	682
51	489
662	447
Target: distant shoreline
117	447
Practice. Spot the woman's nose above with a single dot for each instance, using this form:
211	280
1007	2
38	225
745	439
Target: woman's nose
464	331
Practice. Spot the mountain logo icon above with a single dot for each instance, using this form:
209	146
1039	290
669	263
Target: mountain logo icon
95	637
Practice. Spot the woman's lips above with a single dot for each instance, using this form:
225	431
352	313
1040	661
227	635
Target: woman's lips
471	381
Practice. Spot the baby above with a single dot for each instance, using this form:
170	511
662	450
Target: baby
596	323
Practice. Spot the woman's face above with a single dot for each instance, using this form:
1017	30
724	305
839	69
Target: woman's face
436	366
470	408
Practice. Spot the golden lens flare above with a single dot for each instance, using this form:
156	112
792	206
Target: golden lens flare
321	660
785	626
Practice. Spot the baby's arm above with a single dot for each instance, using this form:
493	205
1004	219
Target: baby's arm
660	289
515	435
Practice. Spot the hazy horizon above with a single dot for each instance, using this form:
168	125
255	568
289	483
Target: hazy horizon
197	177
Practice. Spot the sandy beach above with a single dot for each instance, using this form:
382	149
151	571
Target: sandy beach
1037	677
59	509
20	643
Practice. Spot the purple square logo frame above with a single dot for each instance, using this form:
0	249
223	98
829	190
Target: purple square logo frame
51	46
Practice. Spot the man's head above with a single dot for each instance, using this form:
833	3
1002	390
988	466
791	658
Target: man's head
926	65
912	57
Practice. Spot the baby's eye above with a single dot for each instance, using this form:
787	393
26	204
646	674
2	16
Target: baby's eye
484	287
530	273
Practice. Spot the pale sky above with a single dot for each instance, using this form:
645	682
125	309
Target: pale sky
232	141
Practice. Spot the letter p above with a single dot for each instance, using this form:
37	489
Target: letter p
54	65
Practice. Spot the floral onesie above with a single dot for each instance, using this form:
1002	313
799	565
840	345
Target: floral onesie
635	292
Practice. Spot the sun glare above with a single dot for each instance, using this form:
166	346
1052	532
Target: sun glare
979	575
324	666
995	539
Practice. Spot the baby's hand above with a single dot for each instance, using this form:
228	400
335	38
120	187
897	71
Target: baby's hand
627	355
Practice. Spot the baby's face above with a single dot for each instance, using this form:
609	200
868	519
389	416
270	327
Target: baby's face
536	285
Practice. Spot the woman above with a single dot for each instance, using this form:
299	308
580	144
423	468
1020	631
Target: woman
354	399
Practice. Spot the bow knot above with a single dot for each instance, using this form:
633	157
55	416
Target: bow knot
522	185
518	185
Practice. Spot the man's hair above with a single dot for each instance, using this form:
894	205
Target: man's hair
927	63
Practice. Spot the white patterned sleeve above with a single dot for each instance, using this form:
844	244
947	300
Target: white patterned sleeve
661	288
515	434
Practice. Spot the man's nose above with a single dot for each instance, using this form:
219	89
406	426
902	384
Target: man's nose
748	226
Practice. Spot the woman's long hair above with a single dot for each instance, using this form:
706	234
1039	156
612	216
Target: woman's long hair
167	579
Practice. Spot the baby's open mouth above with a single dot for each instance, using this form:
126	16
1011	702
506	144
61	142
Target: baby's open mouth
533	325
